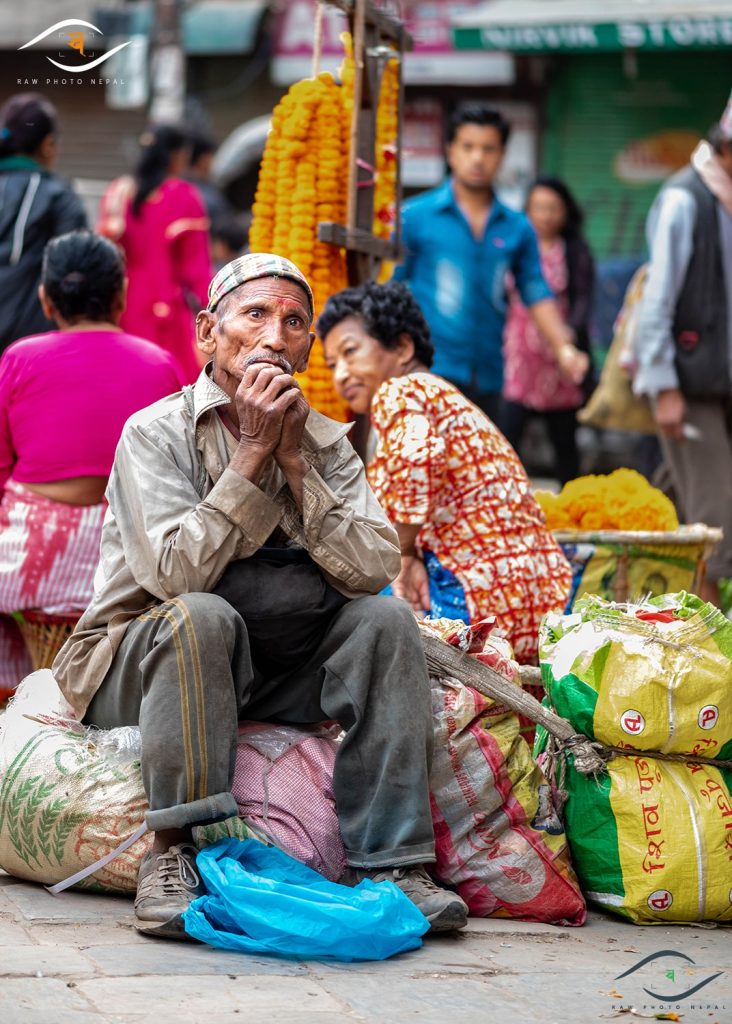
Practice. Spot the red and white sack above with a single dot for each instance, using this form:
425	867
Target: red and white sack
498	840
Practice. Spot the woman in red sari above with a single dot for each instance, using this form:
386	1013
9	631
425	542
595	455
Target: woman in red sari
160	222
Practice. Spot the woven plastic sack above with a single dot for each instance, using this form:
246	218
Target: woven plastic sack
651	839
262	901
283	784
70	795
653	676
499	841
64	802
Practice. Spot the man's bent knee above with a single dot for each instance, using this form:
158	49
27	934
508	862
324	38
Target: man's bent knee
206	607
207	617
386	614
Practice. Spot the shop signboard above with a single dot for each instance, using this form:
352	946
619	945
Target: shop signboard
433	60
675	33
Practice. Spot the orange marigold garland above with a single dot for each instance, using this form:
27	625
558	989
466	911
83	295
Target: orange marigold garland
302	182
624	500
387	128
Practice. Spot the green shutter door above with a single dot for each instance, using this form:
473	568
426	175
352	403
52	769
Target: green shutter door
614	138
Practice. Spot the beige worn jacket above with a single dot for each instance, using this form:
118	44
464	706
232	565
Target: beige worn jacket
178	515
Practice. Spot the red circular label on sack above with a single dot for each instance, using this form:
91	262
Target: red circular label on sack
708	716
661	899
632	722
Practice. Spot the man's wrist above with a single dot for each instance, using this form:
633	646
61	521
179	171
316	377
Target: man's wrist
292	462
249	460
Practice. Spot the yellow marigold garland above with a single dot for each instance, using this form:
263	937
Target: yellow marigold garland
623	500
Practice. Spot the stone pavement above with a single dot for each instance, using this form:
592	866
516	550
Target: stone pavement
76	959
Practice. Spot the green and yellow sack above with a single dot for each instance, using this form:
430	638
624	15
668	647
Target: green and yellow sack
652	837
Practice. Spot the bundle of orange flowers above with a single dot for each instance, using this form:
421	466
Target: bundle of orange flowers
387	127
302	181
623	500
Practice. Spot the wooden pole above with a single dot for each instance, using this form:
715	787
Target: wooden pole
358	60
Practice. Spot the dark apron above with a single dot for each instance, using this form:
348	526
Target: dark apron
286	603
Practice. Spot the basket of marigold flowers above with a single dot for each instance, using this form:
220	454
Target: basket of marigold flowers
623	539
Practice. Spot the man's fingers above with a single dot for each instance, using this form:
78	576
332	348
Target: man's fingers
259	375
284	400
278	383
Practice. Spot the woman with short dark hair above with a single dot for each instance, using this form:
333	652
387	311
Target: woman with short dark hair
35	205
64	398
473	539
160	222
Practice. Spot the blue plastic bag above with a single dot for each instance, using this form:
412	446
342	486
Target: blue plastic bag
262	901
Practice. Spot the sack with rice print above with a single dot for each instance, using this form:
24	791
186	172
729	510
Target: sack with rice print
651	837
71	796
65	802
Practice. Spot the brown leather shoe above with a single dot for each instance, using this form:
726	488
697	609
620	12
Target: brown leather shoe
166	885
444	909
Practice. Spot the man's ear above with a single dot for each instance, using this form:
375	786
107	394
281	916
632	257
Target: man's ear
302	365
205	339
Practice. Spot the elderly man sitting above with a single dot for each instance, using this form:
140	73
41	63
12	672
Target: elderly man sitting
240	556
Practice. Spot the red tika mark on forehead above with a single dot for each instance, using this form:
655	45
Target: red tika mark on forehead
276	303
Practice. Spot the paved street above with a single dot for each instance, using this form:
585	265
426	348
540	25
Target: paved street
76	959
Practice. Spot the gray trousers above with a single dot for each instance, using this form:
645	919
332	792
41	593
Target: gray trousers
184	673
702	476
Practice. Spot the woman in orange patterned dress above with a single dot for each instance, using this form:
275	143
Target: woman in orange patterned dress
450	482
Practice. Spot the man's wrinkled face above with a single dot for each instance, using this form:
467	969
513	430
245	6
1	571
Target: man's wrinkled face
262	321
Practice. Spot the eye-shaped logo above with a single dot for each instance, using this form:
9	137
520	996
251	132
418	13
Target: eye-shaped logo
75	41
669	997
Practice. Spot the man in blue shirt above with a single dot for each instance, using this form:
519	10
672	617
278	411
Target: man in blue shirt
460	243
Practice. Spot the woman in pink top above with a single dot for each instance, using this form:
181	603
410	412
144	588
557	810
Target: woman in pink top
533	385
64	398
160	222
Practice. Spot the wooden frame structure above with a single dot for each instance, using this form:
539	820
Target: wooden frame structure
376	34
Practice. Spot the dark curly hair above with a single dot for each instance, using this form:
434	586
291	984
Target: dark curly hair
82	274
387	311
